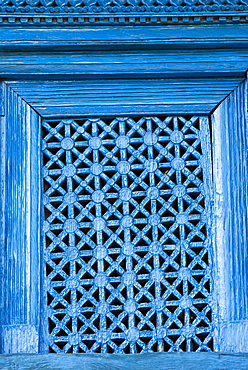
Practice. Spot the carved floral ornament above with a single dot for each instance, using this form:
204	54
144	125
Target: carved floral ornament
127	6
161	11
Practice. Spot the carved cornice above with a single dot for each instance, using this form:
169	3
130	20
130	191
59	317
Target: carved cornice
122	11
119	19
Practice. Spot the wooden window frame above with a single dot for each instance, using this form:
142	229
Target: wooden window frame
106	58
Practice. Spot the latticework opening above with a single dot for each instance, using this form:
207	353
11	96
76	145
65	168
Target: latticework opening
128	260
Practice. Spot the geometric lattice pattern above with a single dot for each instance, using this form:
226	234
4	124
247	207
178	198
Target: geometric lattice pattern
128	260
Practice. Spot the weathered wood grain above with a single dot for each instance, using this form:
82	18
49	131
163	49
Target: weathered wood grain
131	36
20	199
24	311
124	96
229	123
112	62
229	128
148	361
117	52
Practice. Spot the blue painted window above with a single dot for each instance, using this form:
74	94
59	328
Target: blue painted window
126	234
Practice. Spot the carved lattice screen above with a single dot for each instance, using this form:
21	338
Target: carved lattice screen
127	253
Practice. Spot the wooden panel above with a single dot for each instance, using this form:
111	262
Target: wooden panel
230	222
105	97
20	197
228	117
148	361
230	179
114	62
151	36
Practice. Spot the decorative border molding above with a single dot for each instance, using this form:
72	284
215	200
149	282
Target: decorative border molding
94	12
124	96
124	7
79	19
121	51
230	307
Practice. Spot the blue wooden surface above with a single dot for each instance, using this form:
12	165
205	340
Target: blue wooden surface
230	123
111	61
125	96
104	7
20	332
229	145
152	37
93	12
20	199
121	52
148	361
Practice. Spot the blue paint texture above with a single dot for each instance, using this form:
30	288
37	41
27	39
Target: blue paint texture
81	12
145	361
145	241
128	258
144	6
